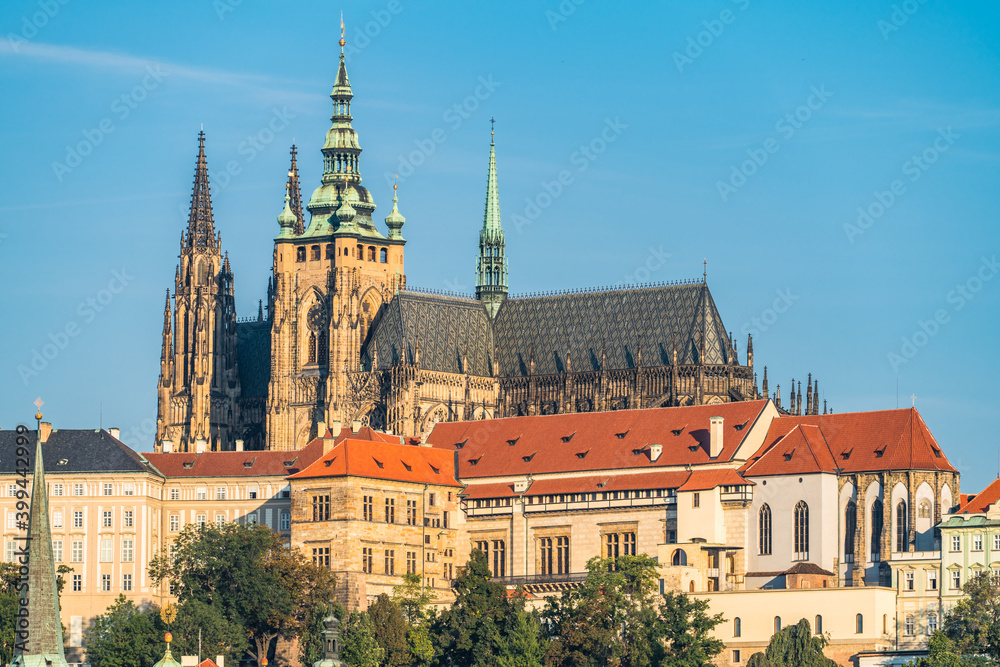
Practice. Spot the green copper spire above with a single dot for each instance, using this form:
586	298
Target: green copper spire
287	219
40	644
395	220
491	270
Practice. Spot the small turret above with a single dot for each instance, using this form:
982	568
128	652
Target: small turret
809	395
763	388
287	219
750	352
395	221
345	213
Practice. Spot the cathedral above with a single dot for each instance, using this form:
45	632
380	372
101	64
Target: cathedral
342	338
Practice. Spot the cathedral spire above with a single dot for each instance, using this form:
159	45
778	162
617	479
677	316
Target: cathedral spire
763	388
295	193
491	270
201	227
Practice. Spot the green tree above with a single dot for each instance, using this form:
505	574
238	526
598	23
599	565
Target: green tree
249	576
974	623
687	631
361	648
793	646
412	597
124	636
943	652
418	638
524	644
390	630
219	635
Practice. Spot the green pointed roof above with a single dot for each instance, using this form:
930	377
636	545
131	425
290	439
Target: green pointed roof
491	219
168	659
287	219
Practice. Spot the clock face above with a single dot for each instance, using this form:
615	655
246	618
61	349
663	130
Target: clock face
316	317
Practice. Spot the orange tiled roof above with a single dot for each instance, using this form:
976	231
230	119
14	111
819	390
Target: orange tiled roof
235	464
377	459
848	442
578	442
980	502
664	479
702	480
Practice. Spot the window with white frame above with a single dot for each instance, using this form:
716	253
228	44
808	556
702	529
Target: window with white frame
128	519
78	518
251	518
57	553
11	550
175	494
77	556
107	489
977	542
77	587
128	489
909	580
77	489
220	493
909	625
220	519
106	518
200	520
956	579
11	490
252	492
286	521
201	493
57	518
11	520
105	582
932	583
126	582
106	551
932	622
128	551
57	489
956	543
175	523
287	491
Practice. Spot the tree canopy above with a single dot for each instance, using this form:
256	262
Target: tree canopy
793	646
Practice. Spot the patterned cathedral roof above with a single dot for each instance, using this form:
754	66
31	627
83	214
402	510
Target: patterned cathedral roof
253	349
632	327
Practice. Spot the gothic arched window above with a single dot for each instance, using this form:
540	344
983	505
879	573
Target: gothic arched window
876	535
764	530
902	533
801	533
311	349
850	528
679	558
322	348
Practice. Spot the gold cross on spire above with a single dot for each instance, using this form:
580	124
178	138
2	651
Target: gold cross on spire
38	405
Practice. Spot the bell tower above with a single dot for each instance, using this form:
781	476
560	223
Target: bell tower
491	269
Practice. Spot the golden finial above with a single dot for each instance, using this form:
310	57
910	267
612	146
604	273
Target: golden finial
395	184
342	42
38	404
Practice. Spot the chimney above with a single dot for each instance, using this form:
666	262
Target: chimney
320	429
166	446
115	432
239	445
199	446
654	452
355	426
335	428
715	437
220	660
46	431
328	445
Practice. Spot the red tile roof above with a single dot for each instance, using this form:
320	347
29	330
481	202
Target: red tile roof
702	480
980	502
590	441
377	459
681	480
848	442
236	464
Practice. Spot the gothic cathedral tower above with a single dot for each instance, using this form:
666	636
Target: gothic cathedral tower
491	270
199	388
329	283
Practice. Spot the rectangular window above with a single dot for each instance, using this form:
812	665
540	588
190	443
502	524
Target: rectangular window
545	555
367	508
105	551
390	561
736	655
77	583
411	562
932	581
932	622
695	499
57	553
128	519
201	493
220	520
128	489
252	492
366	560
57	489
220	493
562	555
77	551
107	489
411	512
977	542
628	544
105	582
11	520
78	518
78	489
321	557
57	519
612	544
175	523
175	494
127	551
909	581
430	499
285	521
11	551
126	582
390	510
200	520
956	543
956	580
499	558
321	508
106	519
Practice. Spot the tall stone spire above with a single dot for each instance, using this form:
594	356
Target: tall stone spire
295	194
491	270
40	644
201	227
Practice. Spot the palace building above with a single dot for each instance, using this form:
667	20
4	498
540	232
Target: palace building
342	338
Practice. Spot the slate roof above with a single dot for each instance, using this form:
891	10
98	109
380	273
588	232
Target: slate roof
616	322
253	351
848	442
593	441
83	450
980	502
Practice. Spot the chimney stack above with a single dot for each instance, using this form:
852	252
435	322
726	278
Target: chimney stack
239	445
654	452
320	429
335	428
715	437
115	432
199	446
46	431
166	446
355	426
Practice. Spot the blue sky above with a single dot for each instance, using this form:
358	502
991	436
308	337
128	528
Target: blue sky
746	133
